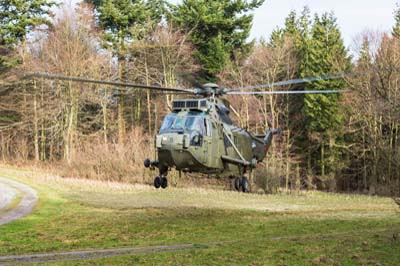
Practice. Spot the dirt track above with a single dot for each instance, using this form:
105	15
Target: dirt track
131	251
9	189
91	254
7	194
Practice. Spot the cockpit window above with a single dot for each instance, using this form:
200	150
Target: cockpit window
168	121
179	122
192	121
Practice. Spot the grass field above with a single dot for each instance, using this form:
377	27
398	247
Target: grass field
229	228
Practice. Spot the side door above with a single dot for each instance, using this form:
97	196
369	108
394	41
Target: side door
211	144
207	142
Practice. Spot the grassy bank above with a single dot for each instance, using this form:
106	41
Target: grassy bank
238	229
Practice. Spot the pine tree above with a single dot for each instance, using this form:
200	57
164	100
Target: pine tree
297	30
216	28
119	18
396	27
123	22
319	51
290	30
327	54
364	58
17	19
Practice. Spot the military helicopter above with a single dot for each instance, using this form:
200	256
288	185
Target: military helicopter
199	136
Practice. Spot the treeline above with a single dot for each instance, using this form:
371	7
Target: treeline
333	142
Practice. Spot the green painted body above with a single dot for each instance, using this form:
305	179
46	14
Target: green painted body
211	144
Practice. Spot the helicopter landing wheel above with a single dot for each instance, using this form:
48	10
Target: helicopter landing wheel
237	183
164	182
245	185
157	182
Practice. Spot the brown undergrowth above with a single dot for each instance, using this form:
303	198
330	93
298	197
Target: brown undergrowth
122	162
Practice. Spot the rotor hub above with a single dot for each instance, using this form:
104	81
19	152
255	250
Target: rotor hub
211	89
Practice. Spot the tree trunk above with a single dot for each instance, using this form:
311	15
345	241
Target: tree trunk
121	121
35	122
287	159
323	157
43	130
365	182
148	95
104	111
70	137
120	112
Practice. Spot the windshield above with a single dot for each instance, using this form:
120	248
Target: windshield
168	121
192	121
179	122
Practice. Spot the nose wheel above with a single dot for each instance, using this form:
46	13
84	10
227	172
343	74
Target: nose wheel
160	181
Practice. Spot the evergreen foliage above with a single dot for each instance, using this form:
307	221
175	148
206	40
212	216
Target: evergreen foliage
298	31
327	54
125	21
17	19
120	20
216	28
320	51
396	27
364	55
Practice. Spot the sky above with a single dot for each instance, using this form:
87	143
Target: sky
354	16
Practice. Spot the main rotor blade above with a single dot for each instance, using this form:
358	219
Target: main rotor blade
104	82
295	81
287	92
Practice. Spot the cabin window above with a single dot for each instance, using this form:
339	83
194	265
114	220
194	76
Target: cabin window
227	143
223	113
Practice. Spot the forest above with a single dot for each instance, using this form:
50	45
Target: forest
334	142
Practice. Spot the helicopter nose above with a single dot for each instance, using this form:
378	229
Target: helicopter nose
171	141
163	140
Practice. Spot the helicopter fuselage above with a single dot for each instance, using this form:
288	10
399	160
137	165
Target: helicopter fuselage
198	136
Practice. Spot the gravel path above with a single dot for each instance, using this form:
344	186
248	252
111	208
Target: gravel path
7	194
94	254
8	190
